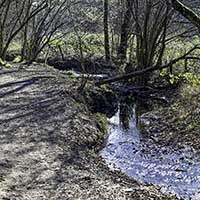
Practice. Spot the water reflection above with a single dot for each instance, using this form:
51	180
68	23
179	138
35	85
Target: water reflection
126	111
176	171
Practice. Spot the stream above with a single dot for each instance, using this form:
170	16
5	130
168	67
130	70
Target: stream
175	171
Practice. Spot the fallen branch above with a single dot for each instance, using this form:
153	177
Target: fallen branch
146	70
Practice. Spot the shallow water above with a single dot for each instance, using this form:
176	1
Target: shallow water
176	171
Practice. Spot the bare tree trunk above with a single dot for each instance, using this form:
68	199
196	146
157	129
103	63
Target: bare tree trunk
24	46
106	32
125	32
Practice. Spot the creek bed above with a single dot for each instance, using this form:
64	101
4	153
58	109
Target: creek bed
175	171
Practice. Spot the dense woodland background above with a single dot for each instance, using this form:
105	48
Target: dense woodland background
146	37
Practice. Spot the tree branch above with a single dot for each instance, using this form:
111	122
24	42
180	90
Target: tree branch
146	70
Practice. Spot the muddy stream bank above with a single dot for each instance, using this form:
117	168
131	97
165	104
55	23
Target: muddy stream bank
174	169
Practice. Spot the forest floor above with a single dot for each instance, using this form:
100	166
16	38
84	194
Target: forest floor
49	143
178	124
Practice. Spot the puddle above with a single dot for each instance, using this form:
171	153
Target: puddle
176	171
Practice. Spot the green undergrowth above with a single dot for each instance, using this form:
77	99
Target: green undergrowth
178	123
102	122
188	109
5	64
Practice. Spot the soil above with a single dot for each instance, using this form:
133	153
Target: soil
49	142
177	124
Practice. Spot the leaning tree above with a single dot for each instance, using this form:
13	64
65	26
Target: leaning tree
187	12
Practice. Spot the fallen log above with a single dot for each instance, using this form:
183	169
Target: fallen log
146	70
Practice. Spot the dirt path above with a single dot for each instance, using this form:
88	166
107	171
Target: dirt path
44	139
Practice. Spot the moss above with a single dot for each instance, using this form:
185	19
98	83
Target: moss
142	126
5	64
70	73
102	122
17	59
8	65
2	63
100	100
105	88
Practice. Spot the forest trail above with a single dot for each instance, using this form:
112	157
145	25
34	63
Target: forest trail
44	139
